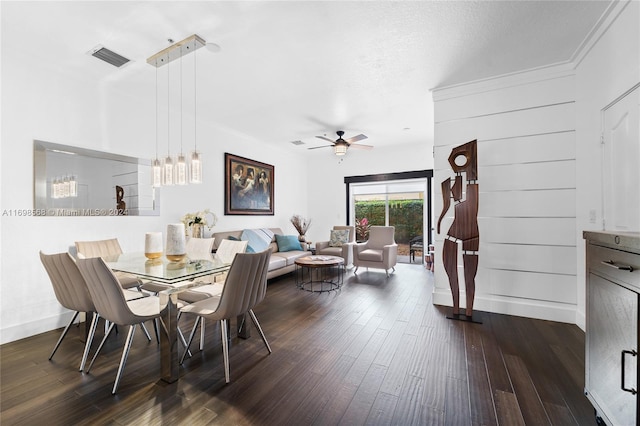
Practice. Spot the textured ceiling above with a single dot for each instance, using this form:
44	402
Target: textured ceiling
291	70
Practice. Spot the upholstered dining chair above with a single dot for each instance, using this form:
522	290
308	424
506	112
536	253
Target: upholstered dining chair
379	251
71	291
111	304
226	251
341	242
245	287
102	248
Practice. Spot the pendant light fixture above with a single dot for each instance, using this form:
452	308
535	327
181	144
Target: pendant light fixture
156	166
169	171
167	166
181	164
195	165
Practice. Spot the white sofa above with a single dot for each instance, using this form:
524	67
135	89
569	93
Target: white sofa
280	262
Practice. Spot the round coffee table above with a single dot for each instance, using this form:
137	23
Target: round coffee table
325	272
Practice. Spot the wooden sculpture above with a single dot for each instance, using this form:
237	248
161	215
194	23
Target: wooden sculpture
464	229
121	205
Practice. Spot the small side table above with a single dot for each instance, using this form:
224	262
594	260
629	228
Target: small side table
309	248
326	272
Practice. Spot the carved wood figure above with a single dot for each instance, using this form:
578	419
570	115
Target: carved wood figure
464	229
121	205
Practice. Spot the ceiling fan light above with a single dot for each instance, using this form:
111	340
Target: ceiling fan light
340	148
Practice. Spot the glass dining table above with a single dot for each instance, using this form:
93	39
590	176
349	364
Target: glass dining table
180	276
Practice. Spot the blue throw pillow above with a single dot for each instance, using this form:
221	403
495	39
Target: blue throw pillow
288	243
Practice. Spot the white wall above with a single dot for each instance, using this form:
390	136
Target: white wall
539	171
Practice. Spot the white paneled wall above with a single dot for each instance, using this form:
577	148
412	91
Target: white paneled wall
527	176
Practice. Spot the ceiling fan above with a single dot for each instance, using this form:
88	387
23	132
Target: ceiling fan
340	145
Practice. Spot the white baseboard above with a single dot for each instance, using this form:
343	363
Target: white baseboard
551	311
21	331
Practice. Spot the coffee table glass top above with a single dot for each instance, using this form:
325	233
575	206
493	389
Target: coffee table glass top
164	271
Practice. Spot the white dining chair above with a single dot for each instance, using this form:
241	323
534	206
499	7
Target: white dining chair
110	302
244	288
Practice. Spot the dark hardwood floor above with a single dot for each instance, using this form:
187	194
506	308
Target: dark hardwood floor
377	353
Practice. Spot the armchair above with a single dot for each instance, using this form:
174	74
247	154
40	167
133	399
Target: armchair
344	250
379	251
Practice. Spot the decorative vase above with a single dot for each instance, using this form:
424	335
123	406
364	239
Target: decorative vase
302	238
176	244
197	230
153	245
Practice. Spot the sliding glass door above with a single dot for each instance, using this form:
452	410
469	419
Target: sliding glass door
393	203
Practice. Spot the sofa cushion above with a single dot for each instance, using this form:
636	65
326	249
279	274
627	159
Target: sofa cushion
290	256
338	237
259	239
288	243
276	262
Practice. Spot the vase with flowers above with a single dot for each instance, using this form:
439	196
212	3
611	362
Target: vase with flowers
195	223
362	229
302	225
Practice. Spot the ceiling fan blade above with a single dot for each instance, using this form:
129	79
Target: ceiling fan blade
323	146
325	138
360	146
355	138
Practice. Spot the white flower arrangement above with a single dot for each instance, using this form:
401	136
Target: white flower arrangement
205	217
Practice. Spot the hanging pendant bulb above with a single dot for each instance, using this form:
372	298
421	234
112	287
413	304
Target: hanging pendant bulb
156	170
167	171
54	189
196	167
73	187
181	171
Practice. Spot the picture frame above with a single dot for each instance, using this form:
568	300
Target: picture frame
249	186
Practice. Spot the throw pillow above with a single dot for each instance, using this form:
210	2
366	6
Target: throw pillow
338	237
258	239
288	242
248	250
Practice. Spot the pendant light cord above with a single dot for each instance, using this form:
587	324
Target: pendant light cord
181	114
195	103
157	108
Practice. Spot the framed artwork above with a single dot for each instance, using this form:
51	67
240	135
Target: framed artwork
248	186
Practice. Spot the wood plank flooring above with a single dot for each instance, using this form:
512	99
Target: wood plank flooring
377	352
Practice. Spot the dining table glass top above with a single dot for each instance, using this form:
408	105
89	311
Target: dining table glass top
164	271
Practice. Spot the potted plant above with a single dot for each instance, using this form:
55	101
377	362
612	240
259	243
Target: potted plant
302	225
362	229
197	221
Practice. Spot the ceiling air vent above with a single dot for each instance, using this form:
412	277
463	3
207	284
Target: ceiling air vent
109	56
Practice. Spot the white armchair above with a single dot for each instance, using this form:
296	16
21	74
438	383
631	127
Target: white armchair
379	251
342	249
